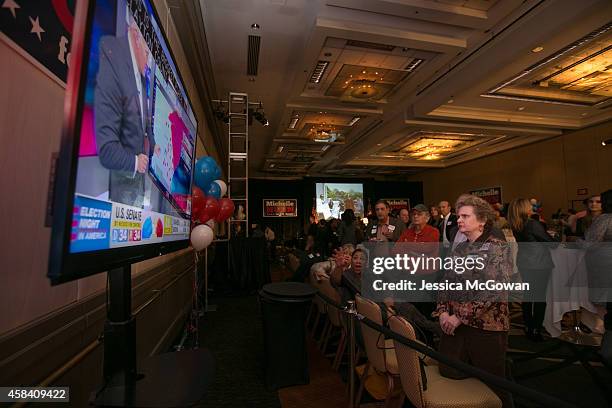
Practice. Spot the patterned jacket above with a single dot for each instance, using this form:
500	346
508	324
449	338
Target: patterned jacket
482	309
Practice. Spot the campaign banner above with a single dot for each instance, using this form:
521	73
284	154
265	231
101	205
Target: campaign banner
41	31
398	203
280	207
492	195
91	223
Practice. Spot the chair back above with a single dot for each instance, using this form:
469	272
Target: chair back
372	339
408	362
328	290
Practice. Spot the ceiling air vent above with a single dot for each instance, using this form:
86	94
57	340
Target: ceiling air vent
318	72
253	55
369	45
413	64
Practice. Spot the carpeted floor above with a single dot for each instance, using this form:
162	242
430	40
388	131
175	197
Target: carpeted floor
572	384
234	336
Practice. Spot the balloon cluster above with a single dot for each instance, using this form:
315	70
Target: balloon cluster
536	206
207	206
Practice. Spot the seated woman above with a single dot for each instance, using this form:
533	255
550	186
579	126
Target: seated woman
346	276
475	323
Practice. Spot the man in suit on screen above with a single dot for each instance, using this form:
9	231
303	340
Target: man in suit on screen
122	106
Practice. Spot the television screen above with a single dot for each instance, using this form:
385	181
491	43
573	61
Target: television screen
123	187
332	199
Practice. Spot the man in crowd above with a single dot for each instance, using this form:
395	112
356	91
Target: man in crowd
448	227
385	228
404	216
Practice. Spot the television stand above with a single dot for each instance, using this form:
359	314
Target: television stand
174	379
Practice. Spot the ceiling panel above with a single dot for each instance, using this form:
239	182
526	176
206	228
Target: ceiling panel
580	73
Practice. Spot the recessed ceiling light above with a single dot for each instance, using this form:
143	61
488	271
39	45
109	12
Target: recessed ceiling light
520	108
255	26
537	49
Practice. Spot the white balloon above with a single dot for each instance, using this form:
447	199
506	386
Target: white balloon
201	237
211	224
223	187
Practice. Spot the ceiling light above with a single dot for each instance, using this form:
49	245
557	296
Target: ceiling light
537	49
354	120
520	108
606	142
255	26
318	72
260	116
293	122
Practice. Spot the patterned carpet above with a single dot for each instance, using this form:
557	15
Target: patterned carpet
234	335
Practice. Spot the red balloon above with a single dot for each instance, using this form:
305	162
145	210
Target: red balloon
226	209
197	202
210	210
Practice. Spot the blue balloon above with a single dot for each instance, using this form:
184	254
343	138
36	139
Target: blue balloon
147	228
213	191
206	171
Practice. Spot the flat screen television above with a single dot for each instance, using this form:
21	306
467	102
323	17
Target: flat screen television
122	190
332	199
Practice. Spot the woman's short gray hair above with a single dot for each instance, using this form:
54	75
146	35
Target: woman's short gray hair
482	209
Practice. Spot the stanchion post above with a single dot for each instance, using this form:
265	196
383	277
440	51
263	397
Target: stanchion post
352	315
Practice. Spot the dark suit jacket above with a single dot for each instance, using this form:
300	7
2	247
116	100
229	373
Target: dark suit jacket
118	119
451	228
534	256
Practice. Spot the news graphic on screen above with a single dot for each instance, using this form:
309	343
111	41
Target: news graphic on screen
332	199
137	135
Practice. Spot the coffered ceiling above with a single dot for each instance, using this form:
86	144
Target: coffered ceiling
393	87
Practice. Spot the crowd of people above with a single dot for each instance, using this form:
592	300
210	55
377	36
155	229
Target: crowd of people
471	330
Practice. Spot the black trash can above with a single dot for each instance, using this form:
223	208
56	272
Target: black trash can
284	307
